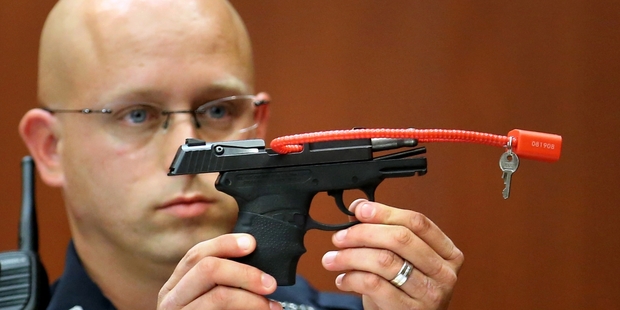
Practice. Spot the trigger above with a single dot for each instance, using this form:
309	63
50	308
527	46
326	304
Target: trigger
370	192
337	194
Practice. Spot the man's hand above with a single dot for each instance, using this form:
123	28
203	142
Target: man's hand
206	279
373	252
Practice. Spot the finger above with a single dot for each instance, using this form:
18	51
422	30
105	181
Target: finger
397	239
223	298
420	225
382	293
229	245
212	272
381	262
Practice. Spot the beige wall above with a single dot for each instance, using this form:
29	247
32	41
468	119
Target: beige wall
479	65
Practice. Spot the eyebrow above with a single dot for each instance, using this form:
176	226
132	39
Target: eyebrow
215	90
222	88
140	94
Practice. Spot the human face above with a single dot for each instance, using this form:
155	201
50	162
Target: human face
118	194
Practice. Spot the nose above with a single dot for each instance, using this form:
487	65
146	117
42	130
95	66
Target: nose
180	127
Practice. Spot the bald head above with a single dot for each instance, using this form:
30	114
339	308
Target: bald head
82	39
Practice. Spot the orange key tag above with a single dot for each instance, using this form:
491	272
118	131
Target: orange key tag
536	145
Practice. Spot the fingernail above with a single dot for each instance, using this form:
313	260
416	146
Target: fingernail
274	305
341	234
267	280
355	203
244	242
329	257
368	210
339	279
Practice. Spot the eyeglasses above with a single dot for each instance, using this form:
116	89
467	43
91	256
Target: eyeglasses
217	120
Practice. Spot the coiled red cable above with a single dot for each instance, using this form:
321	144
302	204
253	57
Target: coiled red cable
294	143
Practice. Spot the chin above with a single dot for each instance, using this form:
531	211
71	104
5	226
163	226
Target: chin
174	245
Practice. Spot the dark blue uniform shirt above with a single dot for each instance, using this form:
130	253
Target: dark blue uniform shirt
76	291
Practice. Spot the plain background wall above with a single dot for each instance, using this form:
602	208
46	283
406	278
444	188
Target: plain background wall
491	66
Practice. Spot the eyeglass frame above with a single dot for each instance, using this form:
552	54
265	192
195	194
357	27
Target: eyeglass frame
165	113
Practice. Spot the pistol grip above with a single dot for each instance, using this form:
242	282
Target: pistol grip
279	245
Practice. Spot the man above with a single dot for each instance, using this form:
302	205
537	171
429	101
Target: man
123	83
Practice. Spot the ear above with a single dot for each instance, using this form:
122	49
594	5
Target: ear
38	130
261	115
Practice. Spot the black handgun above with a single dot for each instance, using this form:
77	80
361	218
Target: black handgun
274	191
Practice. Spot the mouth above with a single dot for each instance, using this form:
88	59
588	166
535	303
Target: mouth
187	207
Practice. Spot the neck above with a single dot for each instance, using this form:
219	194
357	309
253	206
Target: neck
129	283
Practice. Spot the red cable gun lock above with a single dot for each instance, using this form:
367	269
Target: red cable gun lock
274	187
519	143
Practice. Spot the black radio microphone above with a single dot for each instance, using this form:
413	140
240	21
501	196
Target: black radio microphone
23	280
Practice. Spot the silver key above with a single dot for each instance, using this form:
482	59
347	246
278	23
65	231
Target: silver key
508	162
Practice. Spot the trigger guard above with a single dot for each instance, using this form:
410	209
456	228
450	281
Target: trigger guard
312	224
